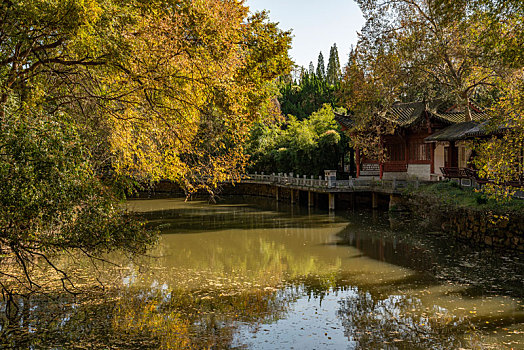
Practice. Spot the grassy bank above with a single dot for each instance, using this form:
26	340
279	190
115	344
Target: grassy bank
469	215
450	194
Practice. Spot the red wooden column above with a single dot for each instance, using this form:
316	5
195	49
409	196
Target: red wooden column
453	155
381	166
357	160
406	152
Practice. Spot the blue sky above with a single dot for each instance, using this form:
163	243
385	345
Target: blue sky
316	24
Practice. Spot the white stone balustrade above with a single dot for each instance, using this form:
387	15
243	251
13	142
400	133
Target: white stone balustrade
329	182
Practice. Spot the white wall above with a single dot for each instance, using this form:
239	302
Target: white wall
387	175
439	158
420	171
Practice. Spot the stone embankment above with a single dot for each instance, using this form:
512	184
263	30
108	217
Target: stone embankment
479	226
502	231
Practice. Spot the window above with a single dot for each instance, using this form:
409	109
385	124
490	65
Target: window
396	152
419	151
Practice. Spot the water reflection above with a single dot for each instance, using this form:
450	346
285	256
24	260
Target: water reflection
397	320
237	275
483	271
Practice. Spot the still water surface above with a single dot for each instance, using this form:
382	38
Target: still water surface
254	274
250	274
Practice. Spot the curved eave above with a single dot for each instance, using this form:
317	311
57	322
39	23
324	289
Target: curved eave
454	132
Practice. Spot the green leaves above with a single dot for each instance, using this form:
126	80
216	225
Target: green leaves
303	98
457	51
306	147
94	91
149	79
50	199
333	73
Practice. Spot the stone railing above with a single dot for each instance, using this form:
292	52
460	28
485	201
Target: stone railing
288	179
329	182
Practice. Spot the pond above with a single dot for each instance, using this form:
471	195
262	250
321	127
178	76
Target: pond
250	273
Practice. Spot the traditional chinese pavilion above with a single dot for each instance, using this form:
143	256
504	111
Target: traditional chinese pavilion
427	138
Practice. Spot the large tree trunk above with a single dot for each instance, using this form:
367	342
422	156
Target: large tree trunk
467	110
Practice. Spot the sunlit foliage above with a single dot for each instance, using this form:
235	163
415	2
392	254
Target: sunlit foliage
501	156
456	51
306	147
170	86
368	88
96	94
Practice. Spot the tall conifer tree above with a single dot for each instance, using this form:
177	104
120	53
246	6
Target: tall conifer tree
333	67
321	68
311	68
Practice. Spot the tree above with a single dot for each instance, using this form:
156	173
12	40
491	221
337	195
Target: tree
162	75
437	42
311	69
501	157
368	89
51	202
454	50
307	146
321	70
306	97
53	197
201	96
95	93
333	67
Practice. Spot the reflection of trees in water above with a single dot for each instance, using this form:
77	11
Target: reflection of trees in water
234	213
154	319
400	322
409	244
201	220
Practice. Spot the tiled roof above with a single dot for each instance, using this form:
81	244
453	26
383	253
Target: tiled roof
485	129
459	117
406	114
453	132
344	120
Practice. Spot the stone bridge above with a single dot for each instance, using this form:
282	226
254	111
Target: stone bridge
294	185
